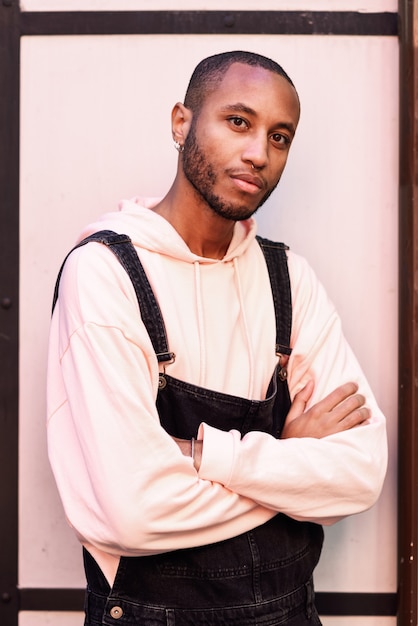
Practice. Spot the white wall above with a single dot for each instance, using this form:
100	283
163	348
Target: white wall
95	128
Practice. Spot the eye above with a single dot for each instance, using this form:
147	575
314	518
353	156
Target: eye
238	122
280	140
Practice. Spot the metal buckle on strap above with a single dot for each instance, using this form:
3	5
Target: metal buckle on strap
166	357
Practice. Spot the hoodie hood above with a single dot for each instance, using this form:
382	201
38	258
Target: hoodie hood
149	230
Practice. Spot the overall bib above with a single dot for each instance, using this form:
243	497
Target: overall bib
262	577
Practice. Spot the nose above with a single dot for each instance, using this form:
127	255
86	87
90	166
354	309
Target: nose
256	151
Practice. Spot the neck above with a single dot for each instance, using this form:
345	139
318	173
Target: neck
206	233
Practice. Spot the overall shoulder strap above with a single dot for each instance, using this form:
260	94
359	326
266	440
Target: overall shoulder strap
123	249
276	260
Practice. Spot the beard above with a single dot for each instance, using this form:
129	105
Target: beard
201	175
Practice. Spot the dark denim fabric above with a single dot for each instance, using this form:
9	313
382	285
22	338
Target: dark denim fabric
261	577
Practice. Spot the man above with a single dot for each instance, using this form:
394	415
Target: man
196	503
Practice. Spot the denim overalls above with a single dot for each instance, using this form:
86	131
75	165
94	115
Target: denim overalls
262	577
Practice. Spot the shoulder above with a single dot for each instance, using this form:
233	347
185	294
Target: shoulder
308	292
91	276
300	270
91	260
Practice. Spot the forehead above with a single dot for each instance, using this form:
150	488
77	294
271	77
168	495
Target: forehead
259	89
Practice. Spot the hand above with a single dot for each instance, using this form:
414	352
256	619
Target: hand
340	410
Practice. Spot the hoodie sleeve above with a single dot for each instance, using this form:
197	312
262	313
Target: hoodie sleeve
320	480
125	486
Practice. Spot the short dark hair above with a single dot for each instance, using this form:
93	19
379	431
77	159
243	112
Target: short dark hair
210	71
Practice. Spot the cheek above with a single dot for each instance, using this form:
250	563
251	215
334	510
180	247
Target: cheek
216	145
212	147
279	162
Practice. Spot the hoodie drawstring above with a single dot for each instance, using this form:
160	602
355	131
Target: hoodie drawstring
246	331
200	323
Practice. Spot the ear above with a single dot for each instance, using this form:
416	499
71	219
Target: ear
181	119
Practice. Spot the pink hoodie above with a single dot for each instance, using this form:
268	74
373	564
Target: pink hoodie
126	487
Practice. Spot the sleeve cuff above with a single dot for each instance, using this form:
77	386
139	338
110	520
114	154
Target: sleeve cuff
217	454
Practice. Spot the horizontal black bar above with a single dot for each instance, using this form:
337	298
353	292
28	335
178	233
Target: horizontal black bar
208	22
371	604
51	599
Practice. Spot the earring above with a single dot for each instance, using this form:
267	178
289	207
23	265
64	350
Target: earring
178	146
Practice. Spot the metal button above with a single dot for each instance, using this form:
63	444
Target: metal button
162	382
116	612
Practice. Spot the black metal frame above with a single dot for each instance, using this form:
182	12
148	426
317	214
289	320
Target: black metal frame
209	22
9	309
408	322
14	24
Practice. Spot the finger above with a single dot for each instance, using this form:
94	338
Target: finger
305	393
336	397
300	400
347	406
356	418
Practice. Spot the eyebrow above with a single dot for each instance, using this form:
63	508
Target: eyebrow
239	107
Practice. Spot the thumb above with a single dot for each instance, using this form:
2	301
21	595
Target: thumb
300	400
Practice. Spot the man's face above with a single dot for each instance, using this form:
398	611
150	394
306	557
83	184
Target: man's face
236	150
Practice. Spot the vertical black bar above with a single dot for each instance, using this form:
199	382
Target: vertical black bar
408	321
9	309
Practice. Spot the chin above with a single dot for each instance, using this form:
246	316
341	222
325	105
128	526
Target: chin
237	214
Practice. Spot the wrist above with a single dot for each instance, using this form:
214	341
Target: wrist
197	447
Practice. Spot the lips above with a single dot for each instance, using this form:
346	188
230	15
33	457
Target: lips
248	182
